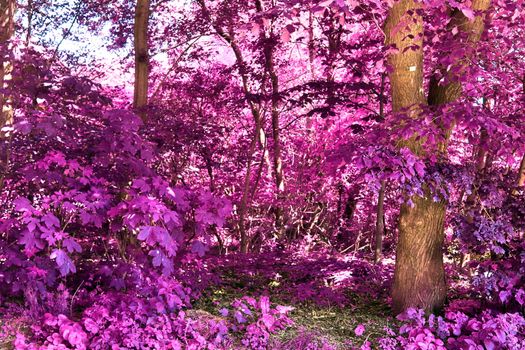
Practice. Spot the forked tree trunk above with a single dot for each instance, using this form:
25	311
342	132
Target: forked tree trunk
419	278
140	98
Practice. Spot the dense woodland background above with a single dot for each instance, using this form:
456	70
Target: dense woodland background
266	174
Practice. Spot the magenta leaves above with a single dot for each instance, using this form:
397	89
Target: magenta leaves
457	330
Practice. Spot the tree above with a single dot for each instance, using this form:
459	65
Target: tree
269	43
7	28
380	211
419	279
141	24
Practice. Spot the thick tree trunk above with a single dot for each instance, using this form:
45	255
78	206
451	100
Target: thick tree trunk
140	98
419	278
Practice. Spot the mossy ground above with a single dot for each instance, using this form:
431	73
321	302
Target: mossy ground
333	324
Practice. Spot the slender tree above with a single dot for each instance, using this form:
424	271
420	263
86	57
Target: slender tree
258	134
269	62
380	210
7	27
520	182
142	15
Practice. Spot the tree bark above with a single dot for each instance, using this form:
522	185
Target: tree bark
380	212
481	161
30	13
380	224
311	45
7	29
419	275
419	278
269	62
140	98
451	90
243	206
521	172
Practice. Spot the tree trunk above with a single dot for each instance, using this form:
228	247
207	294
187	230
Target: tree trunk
419	278
30	13
380	224
243	206
521	172
311	45
269	62
277	157
481	161
451	91
140	98
245	200
209	167
7	28
380	212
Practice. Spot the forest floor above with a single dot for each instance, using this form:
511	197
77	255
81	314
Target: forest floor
331	296
337	301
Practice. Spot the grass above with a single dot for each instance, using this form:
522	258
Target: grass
333	324
338	324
